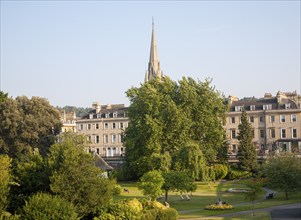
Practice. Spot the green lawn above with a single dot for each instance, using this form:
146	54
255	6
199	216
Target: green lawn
207	194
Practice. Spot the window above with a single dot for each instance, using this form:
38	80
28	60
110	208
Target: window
119	138
234	147
293	118
282	118
267	107
107	115
81	127
273	133
283	133
97	126
261	133
233	120
106	138
253	133
272	118
115	115
97	150
238	108
106	125
252	119
113	138
88	126
96	139
120	125
252	107
287	106
294	133
261	118
233	135
113	125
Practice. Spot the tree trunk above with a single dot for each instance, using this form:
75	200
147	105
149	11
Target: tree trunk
166	194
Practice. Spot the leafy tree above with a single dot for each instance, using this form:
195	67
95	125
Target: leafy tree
255	188
32	174
177	181
246	154
191	160
27	123
165	116
5	180
284	173
48	207
151	183
76	178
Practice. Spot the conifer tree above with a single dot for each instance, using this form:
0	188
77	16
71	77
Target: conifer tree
246	153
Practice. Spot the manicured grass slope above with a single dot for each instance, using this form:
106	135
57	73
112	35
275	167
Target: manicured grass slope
208	194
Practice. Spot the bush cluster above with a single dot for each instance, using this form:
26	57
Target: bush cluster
135	209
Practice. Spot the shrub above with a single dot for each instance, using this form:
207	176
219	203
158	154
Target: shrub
125	209
168	214
105	216
219	207
47	207
221	171
238	174
117	190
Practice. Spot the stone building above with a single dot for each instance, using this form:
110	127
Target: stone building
276	122
103	127
68	120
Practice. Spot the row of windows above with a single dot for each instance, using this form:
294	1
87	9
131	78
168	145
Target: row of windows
110	151
264	107
106	125
282	118
272	132
112	138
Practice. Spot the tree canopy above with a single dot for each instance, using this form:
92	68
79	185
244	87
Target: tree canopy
165	116
284	173
27	123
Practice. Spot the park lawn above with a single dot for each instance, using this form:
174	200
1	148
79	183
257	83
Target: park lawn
208	194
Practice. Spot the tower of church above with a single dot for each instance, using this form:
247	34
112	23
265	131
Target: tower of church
153	64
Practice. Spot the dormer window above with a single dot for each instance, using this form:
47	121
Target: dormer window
267	107
115	115
252	107
287	106
238	108
107	115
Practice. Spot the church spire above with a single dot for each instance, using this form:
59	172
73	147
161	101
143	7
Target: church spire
153	64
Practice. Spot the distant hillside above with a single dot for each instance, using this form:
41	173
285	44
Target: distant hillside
79	111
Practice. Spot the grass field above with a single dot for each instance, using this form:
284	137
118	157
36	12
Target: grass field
208	194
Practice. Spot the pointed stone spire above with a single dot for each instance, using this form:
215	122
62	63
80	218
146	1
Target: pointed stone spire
153	64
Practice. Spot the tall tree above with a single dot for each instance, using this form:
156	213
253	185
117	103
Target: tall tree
75	177
165	116
284	173
246	152
27	123
5	180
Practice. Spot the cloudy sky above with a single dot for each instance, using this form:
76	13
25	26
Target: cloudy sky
78	52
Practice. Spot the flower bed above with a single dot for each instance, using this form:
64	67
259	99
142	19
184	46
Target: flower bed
219	207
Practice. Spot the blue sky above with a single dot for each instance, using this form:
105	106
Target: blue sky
78	52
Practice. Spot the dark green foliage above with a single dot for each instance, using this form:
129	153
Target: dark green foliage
47	207
164	117
32	175
160	214
284	173
3	96
238	174
246	152
27	123
75	176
